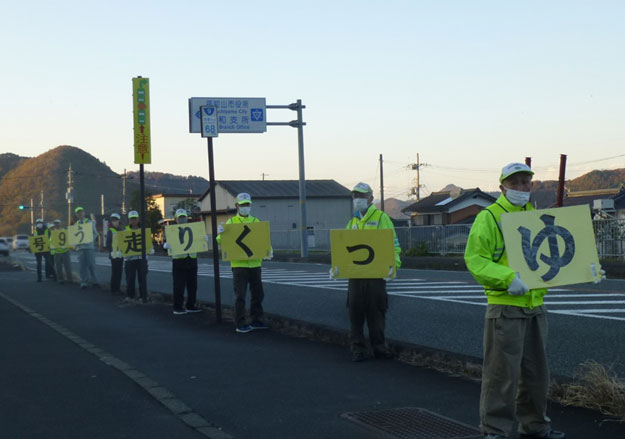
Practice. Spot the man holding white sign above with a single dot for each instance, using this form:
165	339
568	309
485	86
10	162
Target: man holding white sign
85	248
515	374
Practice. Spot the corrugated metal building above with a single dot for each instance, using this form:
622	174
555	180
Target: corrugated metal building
328	206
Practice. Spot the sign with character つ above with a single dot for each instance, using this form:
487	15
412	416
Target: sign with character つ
363	254
551	247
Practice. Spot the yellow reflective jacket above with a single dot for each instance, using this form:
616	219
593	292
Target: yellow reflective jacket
244	263
376	219
487	260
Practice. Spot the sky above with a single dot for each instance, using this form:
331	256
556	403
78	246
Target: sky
468	85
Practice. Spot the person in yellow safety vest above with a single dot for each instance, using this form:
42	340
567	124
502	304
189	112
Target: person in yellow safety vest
246	272
86	252
115	255
41	230
515	374
133	265
62	262
184	273
367	299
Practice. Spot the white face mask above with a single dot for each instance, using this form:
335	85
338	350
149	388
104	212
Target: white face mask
39	225
517	198
245	210
361	205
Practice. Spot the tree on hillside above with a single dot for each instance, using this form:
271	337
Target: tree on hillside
152	212
187	204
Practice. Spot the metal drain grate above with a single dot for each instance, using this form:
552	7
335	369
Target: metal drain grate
413	423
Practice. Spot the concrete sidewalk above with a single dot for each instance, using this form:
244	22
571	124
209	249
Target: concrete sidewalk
77	364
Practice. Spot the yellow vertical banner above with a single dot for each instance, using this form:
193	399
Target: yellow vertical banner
362	254
80	234
186	238
141	120
59	239
39	243
130	242
551	247
245	241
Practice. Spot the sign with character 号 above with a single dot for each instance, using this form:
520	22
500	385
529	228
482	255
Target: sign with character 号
186	238
129	242
80	234
551	247
245	241
362	254
39	243
59	239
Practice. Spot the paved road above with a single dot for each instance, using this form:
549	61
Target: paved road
76	364
434	309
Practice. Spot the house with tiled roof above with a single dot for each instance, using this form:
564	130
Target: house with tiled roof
458	206
606	203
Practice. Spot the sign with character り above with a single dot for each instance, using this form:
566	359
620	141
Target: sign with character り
245	241
551	247
362	254
186	238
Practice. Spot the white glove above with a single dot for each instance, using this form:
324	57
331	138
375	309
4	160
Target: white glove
270	256
517	287
112	255
151	251
332	274
207	238
220	229
119	253
389	277
601	274
165	245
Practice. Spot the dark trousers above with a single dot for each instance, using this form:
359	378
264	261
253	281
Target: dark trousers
242	277
367	301
184	272
49	265
133	268
117	266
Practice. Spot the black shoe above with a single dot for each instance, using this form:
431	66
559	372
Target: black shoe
386	354
357	357
547	433
180	311
192	309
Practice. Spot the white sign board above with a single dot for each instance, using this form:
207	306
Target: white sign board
234	115
209	122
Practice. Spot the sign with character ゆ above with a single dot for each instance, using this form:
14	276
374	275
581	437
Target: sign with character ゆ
551	247
362	254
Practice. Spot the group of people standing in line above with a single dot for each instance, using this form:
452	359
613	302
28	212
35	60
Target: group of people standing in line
515	377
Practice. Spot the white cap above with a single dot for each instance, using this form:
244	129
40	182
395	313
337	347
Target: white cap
514	168
39	220
115	216
133	214
181	212
363	188
57	221
244	198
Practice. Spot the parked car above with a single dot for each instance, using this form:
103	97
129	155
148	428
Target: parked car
9	240
4	247
20	241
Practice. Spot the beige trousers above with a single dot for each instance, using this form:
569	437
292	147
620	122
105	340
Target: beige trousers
515	376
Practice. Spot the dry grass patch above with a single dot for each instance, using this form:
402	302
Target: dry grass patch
594	387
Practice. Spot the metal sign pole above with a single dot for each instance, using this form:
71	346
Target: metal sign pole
144	262
211	172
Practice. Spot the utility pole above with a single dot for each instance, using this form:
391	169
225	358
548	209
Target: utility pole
560	194
32	217
416	167
263	175
102	204
69	195
41	205
381	183
124	193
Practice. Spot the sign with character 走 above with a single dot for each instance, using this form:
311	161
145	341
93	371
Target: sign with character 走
362	254
129	242
551	247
